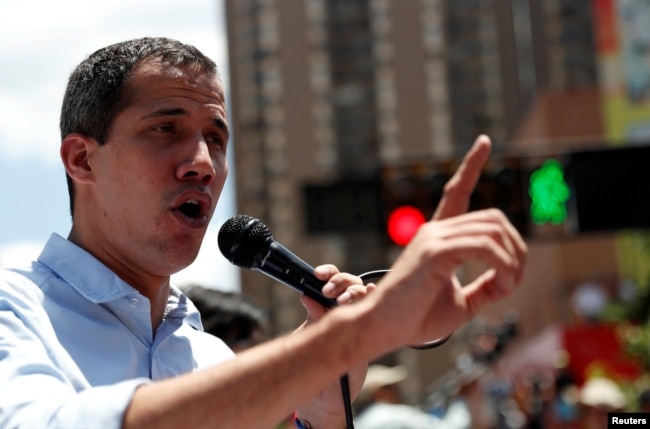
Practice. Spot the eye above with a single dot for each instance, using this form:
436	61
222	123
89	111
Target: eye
164	128
216	139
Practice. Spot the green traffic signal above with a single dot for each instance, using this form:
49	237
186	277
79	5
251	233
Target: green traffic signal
549	194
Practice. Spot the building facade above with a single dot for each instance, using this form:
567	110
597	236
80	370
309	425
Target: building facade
330	90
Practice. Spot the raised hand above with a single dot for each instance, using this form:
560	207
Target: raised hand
424	273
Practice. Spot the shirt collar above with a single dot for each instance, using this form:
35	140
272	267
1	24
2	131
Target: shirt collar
179	305
98	284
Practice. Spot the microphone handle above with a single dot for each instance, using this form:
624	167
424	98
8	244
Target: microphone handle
284	266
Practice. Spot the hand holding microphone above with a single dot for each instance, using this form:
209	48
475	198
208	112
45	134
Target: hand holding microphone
247	243
453	237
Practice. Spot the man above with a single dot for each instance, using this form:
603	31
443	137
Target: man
93	335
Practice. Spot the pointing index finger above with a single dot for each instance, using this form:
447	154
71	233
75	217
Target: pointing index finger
459	188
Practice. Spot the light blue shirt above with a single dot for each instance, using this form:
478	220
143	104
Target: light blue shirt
76	340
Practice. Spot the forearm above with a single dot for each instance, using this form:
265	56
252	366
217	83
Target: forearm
261	385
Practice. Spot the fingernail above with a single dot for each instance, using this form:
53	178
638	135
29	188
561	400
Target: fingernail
320	270
345	297
328	288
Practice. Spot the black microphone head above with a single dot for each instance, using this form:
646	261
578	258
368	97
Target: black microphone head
242	238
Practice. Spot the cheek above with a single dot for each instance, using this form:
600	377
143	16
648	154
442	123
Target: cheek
221	174
132	182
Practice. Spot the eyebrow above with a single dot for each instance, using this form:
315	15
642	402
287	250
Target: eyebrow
177	111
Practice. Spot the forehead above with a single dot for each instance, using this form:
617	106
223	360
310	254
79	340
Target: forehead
153	81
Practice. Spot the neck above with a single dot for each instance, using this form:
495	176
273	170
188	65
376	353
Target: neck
158	302
155	288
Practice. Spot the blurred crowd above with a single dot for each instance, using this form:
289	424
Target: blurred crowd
476	394
540	400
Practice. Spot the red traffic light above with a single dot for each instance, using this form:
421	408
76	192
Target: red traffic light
403	223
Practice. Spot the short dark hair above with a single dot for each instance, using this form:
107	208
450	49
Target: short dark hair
97	92
227	315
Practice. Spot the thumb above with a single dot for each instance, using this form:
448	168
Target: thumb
485	289
314	310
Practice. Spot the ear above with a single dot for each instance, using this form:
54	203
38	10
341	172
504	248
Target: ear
75	154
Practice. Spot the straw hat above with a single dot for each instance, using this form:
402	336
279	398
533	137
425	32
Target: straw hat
602	393
379	376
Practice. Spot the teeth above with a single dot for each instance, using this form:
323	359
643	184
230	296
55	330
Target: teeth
192	201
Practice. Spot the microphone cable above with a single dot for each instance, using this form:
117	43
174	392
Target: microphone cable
347	402
246	242
373	277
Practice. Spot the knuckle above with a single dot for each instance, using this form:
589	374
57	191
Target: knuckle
495	213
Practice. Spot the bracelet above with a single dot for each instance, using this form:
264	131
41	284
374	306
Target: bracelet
300	424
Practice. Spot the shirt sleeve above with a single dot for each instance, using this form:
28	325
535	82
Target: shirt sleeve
39	387
94	408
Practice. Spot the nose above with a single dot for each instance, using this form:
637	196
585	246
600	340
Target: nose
198	165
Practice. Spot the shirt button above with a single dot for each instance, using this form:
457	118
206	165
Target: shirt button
134	302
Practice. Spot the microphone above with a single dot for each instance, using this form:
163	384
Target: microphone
247	243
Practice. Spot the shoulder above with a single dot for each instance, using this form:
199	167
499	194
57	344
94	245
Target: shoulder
17	285
25	281
22	301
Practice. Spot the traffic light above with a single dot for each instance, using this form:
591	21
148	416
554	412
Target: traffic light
610	188
549	194
402	224
343	206
542	195
504	185
411	192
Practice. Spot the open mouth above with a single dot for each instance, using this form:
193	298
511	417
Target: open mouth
191	209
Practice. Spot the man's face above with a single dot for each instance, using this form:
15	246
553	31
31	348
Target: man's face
159	175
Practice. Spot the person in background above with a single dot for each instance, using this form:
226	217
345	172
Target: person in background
229	316
94	334
380	405
599	396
